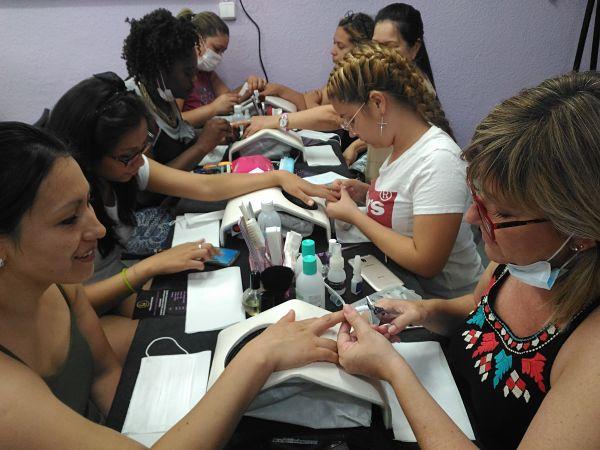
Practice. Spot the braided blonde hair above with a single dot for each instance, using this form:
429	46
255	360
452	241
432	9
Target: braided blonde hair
540	151
375	67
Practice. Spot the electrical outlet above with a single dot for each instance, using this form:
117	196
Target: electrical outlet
227	10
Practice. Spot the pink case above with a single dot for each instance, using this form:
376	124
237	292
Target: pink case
246	164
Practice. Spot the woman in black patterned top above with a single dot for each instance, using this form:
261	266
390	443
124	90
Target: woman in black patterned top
524	344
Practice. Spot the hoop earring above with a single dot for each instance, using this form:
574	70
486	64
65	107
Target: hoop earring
381	125
2	263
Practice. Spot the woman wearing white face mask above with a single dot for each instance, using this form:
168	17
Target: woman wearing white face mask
524	345
210	96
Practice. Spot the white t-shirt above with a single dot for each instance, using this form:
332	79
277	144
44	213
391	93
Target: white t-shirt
106	267
429	178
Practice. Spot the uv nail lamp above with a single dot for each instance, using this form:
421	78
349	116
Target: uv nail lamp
273	144
232	339
232	212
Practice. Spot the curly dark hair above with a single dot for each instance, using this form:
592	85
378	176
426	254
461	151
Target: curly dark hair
359	26
155	42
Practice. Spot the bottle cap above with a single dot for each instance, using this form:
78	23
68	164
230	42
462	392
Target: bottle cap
237	109
255	279
308	247
309	264
337	261
331	243
267	206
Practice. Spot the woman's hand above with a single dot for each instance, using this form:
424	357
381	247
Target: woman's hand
223	104
356	189
400	313
214	132
288	344
351	153
364	351
344	209
256	83
296	186
257	123
188	256
273	89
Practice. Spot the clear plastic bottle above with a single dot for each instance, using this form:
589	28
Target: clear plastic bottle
356	285
268	217
328	254
238	116
310	286
308	248
336	276
251	296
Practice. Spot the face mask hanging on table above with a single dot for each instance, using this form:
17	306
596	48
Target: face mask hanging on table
540	274
166	389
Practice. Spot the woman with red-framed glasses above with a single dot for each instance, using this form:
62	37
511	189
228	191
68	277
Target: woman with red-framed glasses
524	344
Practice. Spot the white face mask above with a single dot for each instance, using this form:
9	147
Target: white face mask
209	60
163	91
540	274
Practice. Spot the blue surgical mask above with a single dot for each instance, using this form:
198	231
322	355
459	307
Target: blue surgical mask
540	274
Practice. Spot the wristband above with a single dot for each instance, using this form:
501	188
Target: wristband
126	281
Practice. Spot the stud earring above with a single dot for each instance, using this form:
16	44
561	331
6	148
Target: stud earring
381	125
2	263
577	248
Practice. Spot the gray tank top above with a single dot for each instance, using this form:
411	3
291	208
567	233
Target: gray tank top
73	381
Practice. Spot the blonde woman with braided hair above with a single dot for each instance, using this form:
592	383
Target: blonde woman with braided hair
524	344
415	207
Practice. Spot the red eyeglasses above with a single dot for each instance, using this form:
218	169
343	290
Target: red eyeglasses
490	226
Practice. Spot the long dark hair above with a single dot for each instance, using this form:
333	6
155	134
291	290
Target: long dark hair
27	154
407	21
92	117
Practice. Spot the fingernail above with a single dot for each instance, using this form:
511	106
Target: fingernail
392	329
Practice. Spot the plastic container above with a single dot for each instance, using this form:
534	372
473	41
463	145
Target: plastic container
268	217
336	276
310	286
308	248
356	284
251	296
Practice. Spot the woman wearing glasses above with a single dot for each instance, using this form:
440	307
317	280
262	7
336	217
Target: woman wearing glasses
524	344
106	128
415	207
58	375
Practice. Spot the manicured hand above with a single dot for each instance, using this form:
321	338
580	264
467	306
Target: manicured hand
344	209
223	104
364	351
289	343
188	256
258	123
215	132
304	190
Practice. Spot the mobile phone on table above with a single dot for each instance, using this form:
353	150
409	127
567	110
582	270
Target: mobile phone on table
225	259
376	273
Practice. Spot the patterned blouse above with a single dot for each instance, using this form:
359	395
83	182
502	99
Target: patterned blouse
504	378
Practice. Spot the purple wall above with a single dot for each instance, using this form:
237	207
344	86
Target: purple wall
482	51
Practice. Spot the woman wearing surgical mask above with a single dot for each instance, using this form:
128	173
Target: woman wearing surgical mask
160	53
415	207
524	344
210	96
58	374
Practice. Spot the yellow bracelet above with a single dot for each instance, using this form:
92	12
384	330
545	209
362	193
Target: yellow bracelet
126	281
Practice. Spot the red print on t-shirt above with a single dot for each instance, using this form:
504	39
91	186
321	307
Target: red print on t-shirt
380	205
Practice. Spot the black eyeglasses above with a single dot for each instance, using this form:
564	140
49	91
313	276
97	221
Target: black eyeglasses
149	145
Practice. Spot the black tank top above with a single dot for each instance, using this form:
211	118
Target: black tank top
73	381
504	378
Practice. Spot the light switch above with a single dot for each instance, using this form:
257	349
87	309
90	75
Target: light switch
227	10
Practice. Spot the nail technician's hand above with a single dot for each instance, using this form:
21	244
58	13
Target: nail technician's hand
400	314
290	344
364	351
224	103
344	209
256	83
